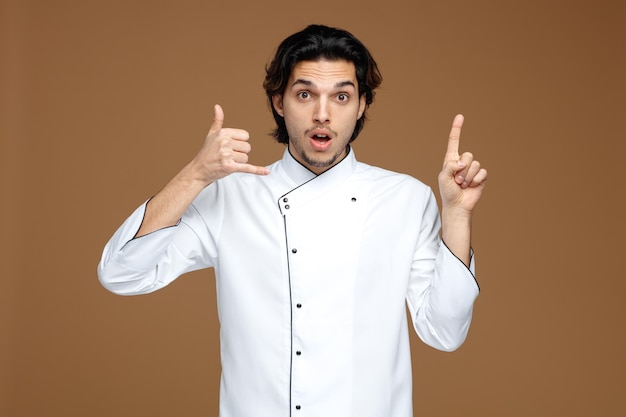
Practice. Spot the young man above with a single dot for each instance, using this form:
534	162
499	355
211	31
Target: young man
315	255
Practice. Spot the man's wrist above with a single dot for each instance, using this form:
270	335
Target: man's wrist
191	177
456	215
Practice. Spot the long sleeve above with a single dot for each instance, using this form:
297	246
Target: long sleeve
132	266
442	289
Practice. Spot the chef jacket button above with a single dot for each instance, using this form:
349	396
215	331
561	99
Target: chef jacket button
294	250
353	199
298	353
285	199
299	305
286	206
298	407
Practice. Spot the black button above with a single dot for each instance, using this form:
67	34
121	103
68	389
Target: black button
294	250
353	199
287	207
298	407
285	199
298	353
299	305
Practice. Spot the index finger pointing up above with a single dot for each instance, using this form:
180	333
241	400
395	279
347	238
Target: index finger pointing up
455	135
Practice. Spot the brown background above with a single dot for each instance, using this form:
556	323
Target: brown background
103	101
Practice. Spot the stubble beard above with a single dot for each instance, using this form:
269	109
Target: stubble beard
324	163
310	160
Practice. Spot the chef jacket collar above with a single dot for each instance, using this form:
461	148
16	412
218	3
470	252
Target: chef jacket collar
306	185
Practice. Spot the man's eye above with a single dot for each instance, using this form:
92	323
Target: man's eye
303	94
342	97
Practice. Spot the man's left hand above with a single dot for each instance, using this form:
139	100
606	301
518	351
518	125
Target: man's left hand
462	180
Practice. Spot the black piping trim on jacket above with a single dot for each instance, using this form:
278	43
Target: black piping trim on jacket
290	314
471	256
141	224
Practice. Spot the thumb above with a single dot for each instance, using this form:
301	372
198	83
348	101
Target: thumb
218	119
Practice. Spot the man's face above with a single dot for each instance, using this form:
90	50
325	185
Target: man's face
321	106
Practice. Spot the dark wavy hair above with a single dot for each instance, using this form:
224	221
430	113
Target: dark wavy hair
313	43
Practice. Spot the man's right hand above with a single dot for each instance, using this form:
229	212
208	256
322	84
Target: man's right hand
224	151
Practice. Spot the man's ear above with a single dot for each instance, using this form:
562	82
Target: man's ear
362	105
277	102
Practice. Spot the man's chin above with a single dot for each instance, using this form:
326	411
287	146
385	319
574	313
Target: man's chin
319	165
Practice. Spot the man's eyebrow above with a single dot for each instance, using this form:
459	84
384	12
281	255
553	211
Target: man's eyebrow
302	81
345	83
309	83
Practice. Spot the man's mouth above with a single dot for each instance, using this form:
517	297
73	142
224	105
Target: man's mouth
321	134
320	139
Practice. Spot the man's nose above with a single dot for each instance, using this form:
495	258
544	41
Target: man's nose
322	111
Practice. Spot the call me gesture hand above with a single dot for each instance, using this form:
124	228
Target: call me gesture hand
461	183
223	152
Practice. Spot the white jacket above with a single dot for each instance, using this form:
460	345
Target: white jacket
312	277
